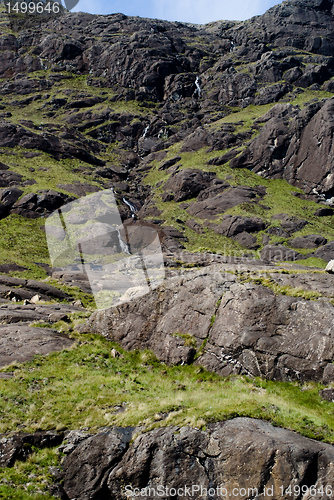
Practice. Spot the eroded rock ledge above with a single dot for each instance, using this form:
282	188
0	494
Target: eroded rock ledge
228	326
238	453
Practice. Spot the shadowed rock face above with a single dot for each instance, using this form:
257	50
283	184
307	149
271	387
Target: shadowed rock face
296	146
247	328
242	452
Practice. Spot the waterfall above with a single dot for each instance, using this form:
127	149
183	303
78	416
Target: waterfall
145	131
198	90
131	207
123	246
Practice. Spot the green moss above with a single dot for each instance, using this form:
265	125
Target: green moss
212	320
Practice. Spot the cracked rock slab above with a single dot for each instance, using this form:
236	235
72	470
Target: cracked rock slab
241	328
20	343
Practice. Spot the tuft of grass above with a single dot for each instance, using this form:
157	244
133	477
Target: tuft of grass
189	340
281	289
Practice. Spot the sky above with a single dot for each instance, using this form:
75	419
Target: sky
191	11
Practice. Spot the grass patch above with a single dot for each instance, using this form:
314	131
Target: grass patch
312	262
48	172
283	290
305	97
23	241
246	116
85	387
29	480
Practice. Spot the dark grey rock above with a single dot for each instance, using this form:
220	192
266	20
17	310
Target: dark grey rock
188	183
20	446
326	252
236	453
21	342
277	253
308	241
232	225
256	331
216	204
86	468
247	240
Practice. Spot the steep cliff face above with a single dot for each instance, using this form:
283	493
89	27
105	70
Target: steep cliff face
137	103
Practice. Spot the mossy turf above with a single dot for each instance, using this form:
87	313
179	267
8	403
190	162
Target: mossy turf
86	386
280	198
30	480
23	241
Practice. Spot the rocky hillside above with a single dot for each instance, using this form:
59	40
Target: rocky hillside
191	124
219	136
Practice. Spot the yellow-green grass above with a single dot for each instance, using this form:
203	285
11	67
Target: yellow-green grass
23	241
85	386
29	480
48	172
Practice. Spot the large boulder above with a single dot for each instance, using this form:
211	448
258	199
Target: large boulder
188	183
326	252
232	225
21	342
247	328
33	205
86	467
243	456
278	253
212	202
308	241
